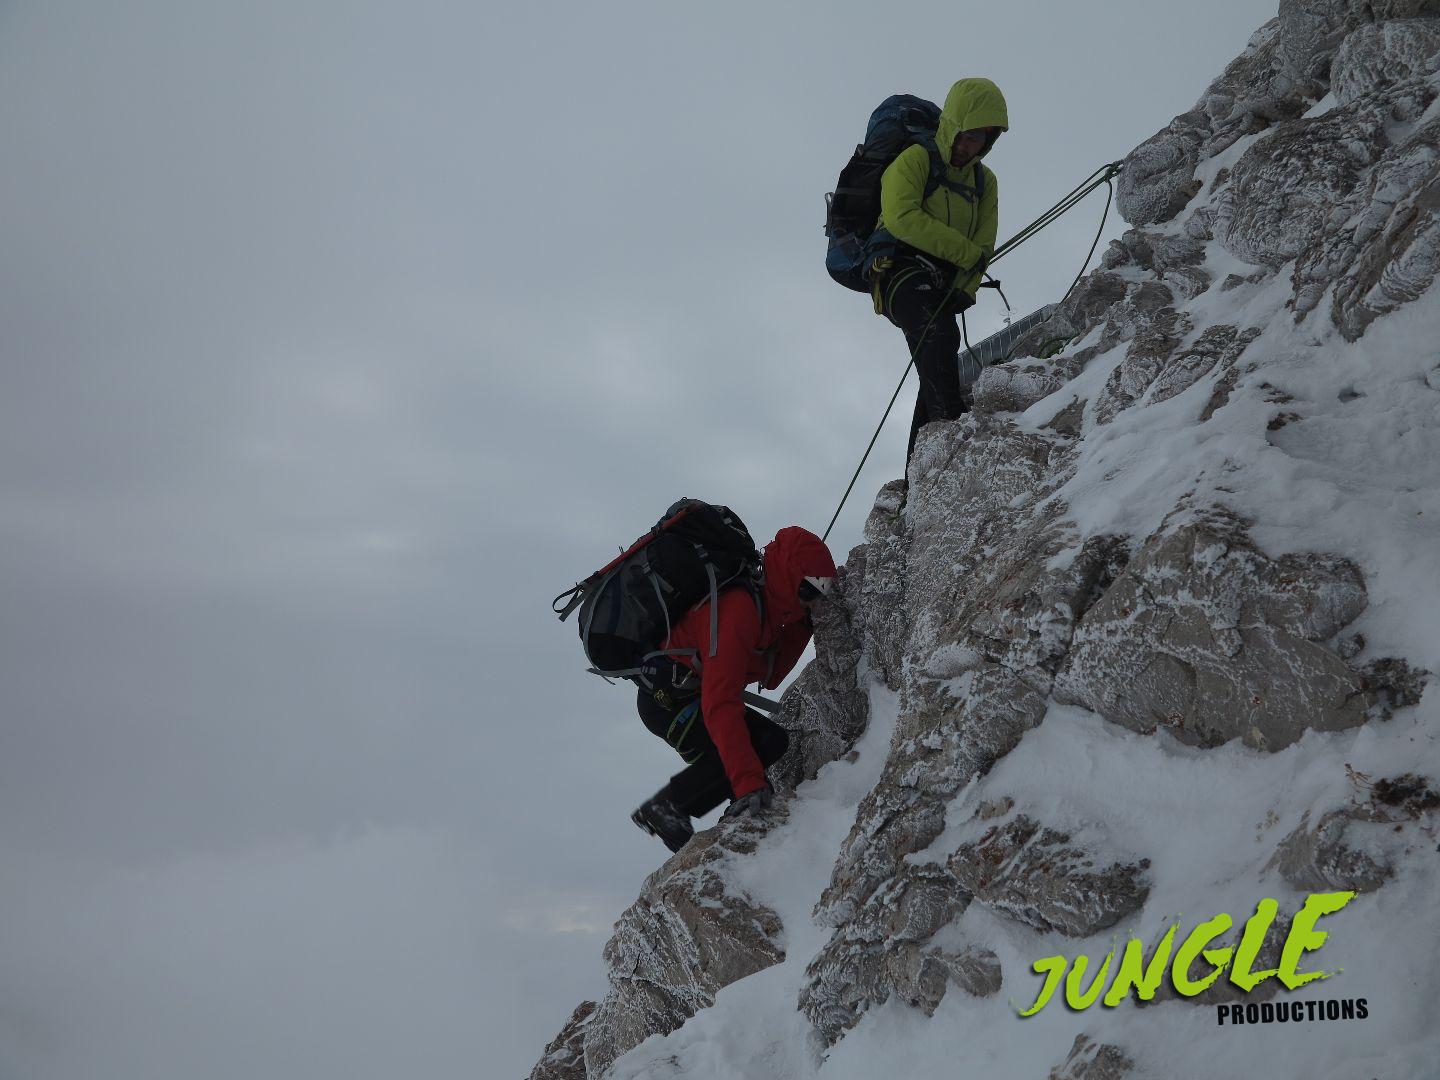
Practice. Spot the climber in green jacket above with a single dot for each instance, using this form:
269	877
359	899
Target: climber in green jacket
928	254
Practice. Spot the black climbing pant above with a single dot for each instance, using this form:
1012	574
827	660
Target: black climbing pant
702	785
916	295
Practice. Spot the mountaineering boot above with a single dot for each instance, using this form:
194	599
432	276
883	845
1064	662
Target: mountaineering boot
660	817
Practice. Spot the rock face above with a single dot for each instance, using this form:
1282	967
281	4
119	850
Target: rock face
827	708
1035	875
980	603
1159	176
1377	249
1325	859
1288	189
1015	387
1205	636
1312	31
883	951
880	606
688	935
988	626
1356	847
564	1058
1260	87
1090	1060
1378	55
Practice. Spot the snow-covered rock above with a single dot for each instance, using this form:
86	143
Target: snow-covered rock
564	1058
1089	1060
827	708
1378	55
1325	858
1204	635
688	935
1034	874
882	951
1379	248
1139	630
1014	387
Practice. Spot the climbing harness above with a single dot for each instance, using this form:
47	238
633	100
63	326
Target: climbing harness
1103	175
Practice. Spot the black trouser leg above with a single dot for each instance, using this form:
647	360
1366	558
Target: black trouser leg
702	785
922	309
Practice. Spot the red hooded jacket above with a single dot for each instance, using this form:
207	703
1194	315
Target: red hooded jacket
748	649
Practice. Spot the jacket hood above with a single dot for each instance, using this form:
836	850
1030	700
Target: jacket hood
792	556
971	103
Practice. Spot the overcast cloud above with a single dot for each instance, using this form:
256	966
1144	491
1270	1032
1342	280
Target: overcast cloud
337	338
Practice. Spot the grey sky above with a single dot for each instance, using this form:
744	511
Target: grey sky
336	339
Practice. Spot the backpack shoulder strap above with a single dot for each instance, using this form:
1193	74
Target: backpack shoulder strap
753	587
937	170
756	590
937	179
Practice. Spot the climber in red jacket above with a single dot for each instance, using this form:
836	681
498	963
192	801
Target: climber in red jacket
696	705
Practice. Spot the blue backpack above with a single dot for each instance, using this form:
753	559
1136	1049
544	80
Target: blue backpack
852	210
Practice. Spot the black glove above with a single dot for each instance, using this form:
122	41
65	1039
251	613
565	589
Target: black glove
752	805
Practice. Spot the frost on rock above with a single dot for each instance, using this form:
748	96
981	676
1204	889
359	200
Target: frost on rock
1358	847
990	623
1174	259
1381	54
1217	349
879	608
1253	92
1332	856
1093	298
564	1058
1352	195
1158	180
1383	247
966	697
1142	313
1204	635
1153	371
1091	1060
1148	355
1015	386
688	935
906	810
1285	187
1312	32
921	976
882	952
826	709
1036	875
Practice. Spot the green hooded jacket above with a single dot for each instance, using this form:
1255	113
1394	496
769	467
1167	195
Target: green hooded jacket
947	225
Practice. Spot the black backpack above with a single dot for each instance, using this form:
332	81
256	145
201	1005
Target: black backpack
853	208
629	606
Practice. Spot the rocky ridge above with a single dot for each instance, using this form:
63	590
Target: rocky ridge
980	600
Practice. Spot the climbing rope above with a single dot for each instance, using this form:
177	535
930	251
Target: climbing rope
1103	175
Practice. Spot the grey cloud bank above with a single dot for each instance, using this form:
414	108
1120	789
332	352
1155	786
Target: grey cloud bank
328	331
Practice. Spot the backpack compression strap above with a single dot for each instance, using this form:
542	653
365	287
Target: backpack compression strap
577	597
